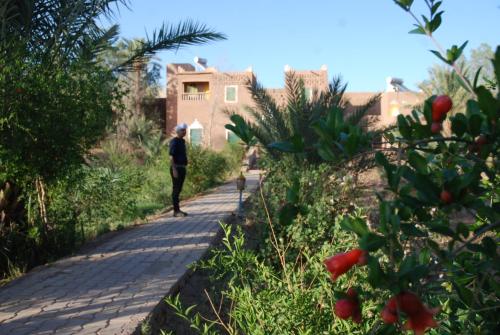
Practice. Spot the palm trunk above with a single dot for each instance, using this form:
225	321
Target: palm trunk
138	95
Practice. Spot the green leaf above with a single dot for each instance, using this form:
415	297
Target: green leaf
476	77
438	55
424	256
405	4
475	247
407	266
405	213
457	52
294	145
354	224
475	122
241	129
435	7
487	102
376	276
282	146
326	152
490	246
395	223
372	242
419	30
287	214
427	190
440	229
382	160
292	194
466	179
410	269
496	64
472	107
411	230
465	294
463	230
418	162
459	124
384	216
404	127
436	22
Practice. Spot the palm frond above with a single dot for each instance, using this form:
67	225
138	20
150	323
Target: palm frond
271	115
360	112
332	97
263	130
296	106
173	37
57	28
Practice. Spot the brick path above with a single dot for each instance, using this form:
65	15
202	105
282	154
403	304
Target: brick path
112	288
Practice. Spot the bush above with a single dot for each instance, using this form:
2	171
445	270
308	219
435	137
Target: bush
284	289
432	255
115	188
206	169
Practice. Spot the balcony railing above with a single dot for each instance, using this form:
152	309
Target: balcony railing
195	96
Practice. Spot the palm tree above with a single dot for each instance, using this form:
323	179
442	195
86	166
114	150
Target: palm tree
66	37
66	31
275	123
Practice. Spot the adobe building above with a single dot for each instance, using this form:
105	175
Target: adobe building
202	98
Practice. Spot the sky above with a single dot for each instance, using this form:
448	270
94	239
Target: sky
364	41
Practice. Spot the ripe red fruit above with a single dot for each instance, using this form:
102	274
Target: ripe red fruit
436	127
349	307
19	90
389	313
344	308
440	106
420	318
339	264
446	197
419	322
388	316
409	303
392	305
356	317
352	294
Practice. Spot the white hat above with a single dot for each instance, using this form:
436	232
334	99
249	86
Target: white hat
181	126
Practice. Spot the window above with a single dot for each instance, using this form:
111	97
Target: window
196	136
231	137
231	93
196	87
196	133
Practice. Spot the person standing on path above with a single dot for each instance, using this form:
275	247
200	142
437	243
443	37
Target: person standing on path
178	164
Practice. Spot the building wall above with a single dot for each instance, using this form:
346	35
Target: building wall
401	103
386	110
210	110
172	88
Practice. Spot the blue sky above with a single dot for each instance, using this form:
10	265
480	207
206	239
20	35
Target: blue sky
363	40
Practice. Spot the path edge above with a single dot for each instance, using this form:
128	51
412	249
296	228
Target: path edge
180	283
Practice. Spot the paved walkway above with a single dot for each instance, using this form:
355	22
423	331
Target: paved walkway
111	289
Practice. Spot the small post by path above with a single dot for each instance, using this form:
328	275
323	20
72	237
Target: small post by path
240	186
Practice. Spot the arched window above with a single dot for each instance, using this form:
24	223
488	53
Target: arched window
196	133
231	137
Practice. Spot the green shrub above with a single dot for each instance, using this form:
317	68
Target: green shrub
206	168
285	288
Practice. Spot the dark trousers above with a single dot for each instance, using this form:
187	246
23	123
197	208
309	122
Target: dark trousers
177	186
